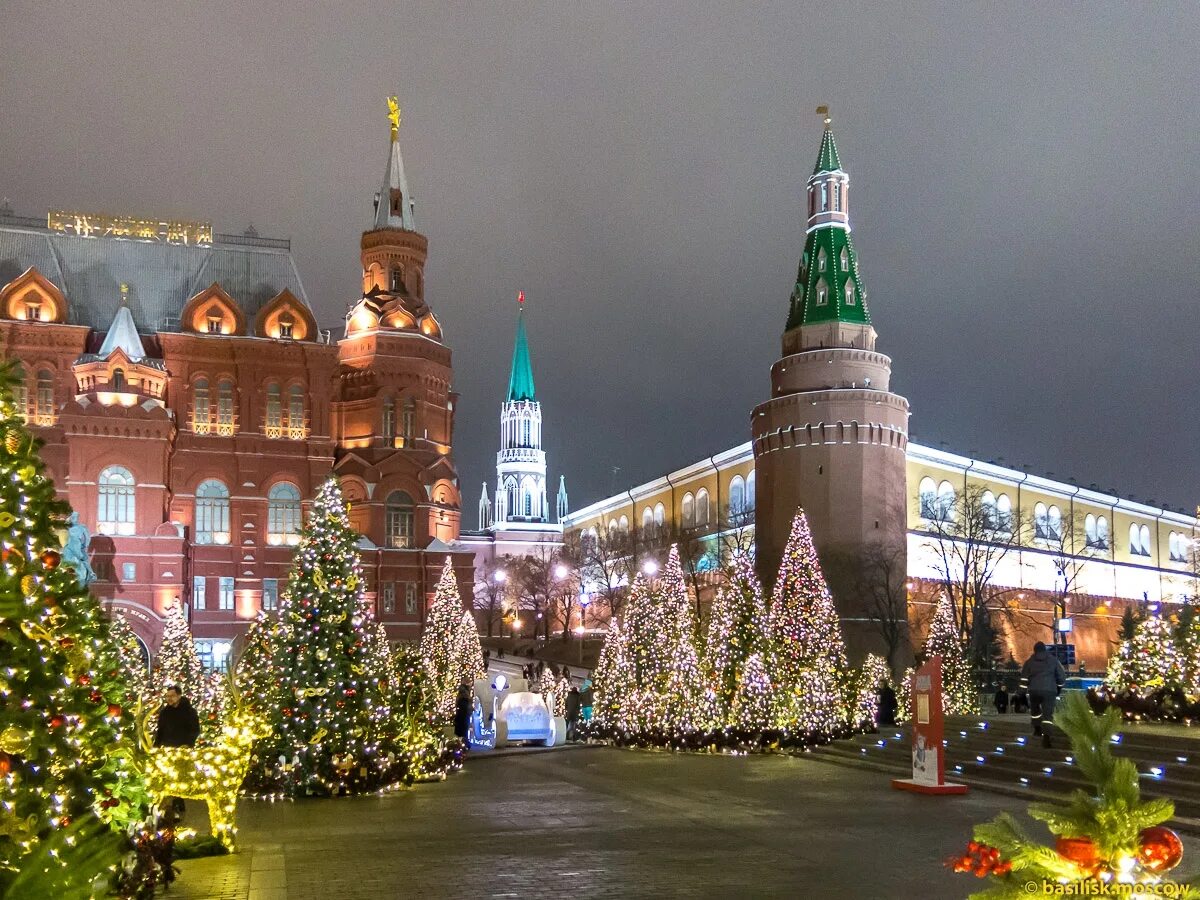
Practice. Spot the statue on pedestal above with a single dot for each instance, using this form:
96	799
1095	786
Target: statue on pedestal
75	551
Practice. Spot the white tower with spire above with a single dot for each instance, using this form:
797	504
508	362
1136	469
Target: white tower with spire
521	462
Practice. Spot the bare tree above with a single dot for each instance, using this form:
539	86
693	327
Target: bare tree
699	553
970	538
535	582
606	563
491	590
879	578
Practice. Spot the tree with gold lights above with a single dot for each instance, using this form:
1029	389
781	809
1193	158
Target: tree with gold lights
177	663
450	647
753	706
871	676
323	715
135	672
960	696
67	737
737	630
810	655
1104	836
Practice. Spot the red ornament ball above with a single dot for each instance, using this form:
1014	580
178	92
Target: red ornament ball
95	696
1079	850
85	678
114	710
51	558
5	764
1159	849
66	642
57	721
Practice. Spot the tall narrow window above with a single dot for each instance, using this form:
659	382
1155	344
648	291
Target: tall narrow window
116	512
824	196
687	511
526	436
987	507
750	483
274	411
851	298
118	380
44	406
225	407
270	594
945	501
398	524
225	592
408	419
821	260
212	513
397	279
737	497
389	419
822	294
1004	514
1041	522
388	598
283	514
198	583
21	391
1102	533
296	412
201	410
702	507
410	598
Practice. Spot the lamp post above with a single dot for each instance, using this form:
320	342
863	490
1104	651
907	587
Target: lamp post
584	600
499	577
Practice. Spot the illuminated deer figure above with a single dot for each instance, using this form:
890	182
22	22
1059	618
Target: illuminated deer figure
211	771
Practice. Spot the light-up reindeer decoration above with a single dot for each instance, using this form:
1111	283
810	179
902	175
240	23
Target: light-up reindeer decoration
211	771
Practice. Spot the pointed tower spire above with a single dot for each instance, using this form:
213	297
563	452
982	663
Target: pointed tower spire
520	381
562	497
828	285
393	203
485	510
123	333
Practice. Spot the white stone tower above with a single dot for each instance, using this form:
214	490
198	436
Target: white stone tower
521	462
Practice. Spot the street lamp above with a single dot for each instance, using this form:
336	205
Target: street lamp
650	567
561	572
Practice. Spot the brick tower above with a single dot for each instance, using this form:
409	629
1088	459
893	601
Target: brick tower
832	436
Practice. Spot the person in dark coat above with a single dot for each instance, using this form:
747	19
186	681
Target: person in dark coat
178	724
585	700
1046	676
462	710
572	710
1001	698
888	705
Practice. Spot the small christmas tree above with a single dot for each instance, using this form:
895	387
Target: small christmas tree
959	693
178	664
450	646
754	701
613	679
67	739
324	713
1104	835
135	672
737	630
684	705
810	664
872	675
1148	663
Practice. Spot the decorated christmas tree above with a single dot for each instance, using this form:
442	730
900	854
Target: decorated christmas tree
613	679
737	630
67	738
323	715
873	674
1149	662
1104	836
959	693
257	679
685	706
135	672
450	646
810	661
753	707
178	664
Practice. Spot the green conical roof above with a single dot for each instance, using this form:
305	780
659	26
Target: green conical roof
828	265
827	160
520	382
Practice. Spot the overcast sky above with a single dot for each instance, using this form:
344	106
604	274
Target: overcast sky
1023	196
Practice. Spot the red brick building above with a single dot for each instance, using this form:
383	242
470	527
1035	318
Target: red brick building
190	406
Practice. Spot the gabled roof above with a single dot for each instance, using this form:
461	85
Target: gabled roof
520	381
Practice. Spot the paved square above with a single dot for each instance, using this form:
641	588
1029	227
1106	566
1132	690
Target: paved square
597	822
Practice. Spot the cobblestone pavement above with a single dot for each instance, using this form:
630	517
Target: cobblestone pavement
596	822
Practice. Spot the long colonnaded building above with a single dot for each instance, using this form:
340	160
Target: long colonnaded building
190	407
833	439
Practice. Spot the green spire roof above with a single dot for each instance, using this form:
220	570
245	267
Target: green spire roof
520	382
828	287
827	160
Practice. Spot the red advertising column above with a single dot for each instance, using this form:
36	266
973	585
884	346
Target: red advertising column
928	754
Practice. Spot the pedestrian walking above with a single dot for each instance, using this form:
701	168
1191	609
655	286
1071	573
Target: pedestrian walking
1001	698
487	659
462	710
572	710
1046	676
585	700
178	726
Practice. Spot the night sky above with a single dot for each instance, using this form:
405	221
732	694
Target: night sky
1023	196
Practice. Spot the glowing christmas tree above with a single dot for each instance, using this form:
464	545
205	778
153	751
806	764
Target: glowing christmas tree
613	679
960	696
450	646
810	662
178	664
67	738
1150	662
753	707
135	672
737	630
323	715
873	673
684	706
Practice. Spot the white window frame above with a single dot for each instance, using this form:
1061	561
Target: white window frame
199	589
226	591
116	511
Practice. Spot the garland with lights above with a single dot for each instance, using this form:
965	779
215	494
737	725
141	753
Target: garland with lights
67	738
1104	836
960	695
810	655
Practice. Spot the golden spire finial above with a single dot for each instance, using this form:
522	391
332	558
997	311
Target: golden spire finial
824	111
124	292
394	115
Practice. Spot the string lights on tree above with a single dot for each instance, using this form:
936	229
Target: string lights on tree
450	647
959	693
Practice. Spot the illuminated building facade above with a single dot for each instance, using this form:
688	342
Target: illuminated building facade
190	406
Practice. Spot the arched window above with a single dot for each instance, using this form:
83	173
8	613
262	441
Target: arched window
398	279
945	501
1102	533
274	411
612	527
987	509
750	482
702	505
388	424
821	260
624	524
44	400
526	433
408	419
1004	518
1054	520
283	514
117	383
296	412
398	527
212	513
822	293
687	511
737	497
845	259
1145	535
1135	540
1041	522
927	492
116	508
225	406
1089	530
201	409
660	514
510	497
647	518
850	292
